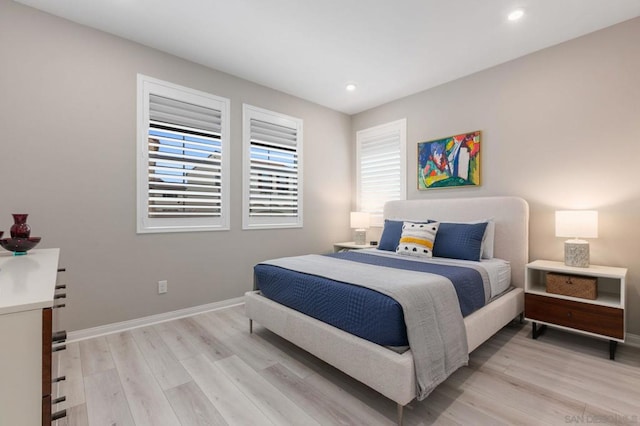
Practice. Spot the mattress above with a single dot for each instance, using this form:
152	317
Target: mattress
366	313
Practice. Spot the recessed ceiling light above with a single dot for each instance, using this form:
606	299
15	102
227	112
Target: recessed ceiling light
350	87
515	15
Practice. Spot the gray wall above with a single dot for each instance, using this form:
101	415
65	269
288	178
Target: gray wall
560	128
68	137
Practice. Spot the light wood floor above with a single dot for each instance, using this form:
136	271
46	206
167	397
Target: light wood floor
208	370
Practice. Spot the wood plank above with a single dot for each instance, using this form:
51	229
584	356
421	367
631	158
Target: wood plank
325	408
76	416
304	364
106	402
511	379
579	356
192	406
165	367
253	349
176	340
148	404
574	375
443	404
70	365
515	404
560	344
95	356
576	388
202	339
231	402
225	322
529	400
266	396
599	415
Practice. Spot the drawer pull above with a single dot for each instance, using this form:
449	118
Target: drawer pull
62	269
58	348
60	296
59	305
59	400
59	379
61	286
59	336
58	415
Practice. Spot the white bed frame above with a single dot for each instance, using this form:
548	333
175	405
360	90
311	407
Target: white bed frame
390	373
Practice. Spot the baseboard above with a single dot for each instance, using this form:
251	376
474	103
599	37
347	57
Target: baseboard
73	336
632	340
118	327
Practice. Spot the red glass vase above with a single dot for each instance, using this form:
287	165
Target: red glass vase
20	227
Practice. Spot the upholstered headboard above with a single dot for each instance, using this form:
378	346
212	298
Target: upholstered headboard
511	215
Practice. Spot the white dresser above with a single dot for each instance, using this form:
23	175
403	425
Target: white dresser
27	296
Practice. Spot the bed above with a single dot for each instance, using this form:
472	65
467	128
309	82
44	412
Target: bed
393	372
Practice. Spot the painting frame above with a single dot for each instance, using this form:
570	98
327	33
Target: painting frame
450	162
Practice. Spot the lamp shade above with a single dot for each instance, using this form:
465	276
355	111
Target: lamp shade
360	220
577	223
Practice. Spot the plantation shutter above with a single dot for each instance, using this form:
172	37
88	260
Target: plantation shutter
273	185
381	168
185	153
183	177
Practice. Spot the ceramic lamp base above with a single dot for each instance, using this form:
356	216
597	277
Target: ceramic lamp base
360	237
576	253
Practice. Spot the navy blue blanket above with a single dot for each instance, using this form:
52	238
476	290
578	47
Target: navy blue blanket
466	281
358	310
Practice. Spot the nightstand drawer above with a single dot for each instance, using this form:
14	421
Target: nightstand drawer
597	319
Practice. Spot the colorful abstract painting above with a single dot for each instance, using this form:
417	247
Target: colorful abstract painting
449	162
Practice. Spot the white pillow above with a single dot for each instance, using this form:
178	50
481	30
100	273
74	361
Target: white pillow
489	238
417	239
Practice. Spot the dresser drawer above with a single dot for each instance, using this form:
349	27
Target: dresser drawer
603	320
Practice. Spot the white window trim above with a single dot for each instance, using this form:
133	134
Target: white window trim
399	126
146	86
251	112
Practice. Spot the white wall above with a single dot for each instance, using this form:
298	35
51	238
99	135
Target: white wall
560	128
68	137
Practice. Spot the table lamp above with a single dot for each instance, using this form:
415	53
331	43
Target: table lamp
360	221
576	224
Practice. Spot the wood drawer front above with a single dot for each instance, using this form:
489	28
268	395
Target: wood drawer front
47	330
581	316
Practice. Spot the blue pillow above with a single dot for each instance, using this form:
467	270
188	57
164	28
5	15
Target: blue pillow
390	235
459	240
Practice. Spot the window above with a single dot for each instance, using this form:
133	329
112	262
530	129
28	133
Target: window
183	158
381	167
272	145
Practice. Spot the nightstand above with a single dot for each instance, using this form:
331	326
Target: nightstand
350	245
602	317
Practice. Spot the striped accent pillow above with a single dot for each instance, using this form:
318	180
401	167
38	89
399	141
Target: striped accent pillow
417	239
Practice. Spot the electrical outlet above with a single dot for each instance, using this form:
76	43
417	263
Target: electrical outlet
162	286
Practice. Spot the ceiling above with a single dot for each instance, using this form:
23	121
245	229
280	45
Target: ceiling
313	48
